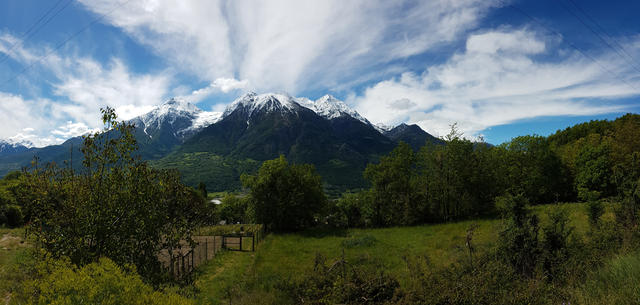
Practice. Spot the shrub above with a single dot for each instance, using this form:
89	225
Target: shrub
102	282
13	216
555	248
342	283
518	241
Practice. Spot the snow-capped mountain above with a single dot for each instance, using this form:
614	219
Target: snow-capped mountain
8	147
184	119
330	108
251	103
169	125
327	106
382	128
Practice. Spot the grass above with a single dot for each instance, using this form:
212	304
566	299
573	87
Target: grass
12	250
615	283
229	229
222	276
289	256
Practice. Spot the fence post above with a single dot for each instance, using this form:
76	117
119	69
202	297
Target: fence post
253	242
206	249
193	263
214	245
241	238
182	273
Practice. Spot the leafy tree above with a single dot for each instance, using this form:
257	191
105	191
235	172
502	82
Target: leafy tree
594	168
116	206
354	206
531	168
457	178
234	209
283	196
393	188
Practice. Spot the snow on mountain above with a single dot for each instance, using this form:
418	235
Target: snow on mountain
327	106
330	108
382	128
185	118
252	103
10	146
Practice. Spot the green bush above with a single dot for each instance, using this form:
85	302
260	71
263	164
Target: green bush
342	283
103	282
13	216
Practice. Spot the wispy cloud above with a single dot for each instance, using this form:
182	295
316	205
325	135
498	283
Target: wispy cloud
500	78
291	45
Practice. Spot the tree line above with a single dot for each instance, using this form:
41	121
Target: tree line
461	179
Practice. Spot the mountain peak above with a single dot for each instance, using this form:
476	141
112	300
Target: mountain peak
185	118
176	104
252	102
330	107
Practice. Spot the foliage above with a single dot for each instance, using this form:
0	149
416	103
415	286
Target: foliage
457	179
115	206
593	168
555	245
101	282
11	215
354	207
13	196
234	209
595	209
342	283
518	243
285	197
393	189
530	167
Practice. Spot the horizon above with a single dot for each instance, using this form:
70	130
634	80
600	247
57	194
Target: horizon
499	69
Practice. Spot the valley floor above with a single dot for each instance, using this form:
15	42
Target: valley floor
248	277
252	277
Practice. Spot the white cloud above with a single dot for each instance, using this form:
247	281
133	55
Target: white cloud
90	85
223	85
291	44
500	78
82	86
71	129
21	116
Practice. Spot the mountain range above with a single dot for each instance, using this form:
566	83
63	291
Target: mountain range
216	148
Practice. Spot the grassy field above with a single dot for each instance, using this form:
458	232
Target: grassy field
12	250
287	256
246	277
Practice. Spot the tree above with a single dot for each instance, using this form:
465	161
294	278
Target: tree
393	188
202	188
116	206
285	197
594	168
457	178
531	168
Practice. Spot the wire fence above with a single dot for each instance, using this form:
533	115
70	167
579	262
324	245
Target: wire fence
184	260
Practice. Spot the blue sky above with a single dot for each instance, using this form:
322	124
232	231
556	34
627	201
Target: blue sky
496	68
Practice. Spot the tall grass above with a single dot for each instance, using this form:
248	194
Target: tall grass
617	282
